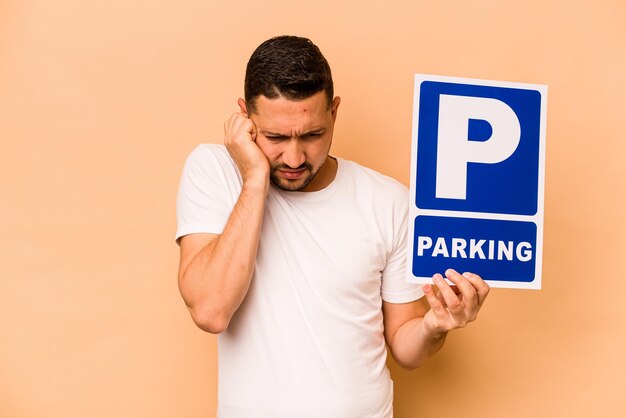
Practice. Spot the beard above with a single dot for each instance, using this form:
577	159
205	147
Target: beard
292	185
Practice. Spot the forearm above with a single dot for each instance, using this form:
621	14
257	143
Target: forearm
412	343
415	332
217	279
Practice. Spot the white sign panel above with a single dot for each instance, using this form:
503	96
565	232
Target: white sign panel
477	180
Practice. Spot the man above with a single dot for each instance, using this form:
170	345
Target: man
297	258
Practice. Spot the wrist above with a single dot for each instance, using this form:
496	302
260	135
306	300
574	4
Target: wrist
432	332
256	184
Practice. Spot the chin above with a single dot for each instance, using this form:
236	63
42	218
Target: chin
290	186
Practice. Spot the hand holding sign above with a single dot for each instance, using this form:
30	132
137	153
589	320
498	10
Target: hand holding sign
454	307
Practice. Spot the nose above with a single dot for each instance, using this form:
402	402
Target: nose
293	154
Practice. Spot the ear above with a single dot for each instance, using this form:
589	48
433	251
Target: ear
242	106
334	106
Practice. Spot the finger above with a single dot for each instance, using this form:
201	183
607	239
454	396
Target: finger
240	130
235	120
456	289
229	125
440	297
239	122
452	300
243	127
466	288
482	288
253	130
435	304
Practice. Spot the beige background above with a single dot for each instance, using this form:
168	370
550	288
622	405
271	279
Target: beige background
101	101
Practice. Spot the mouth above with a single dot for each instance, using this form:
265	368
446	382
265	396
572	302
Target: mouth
289	173
292	174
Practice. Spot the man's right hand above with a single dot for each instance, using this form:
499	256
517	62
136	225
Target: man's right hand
240	139
216	269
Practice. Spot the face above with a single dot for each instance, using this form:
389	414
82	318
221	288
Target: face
295	136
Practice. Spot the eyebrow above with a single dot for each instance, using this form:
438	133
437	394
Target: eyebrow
282	135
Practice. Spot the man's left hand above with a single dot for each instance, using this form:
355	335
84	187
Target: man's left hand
454	306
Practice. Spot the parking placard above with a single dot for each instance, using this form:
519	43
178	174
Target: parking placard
477	180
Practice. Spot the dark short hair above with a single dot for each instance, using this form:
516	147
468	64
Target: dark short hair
287	66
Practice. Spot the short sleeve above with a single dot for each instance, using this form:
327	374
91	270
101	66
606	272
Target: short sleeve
209	187
395	288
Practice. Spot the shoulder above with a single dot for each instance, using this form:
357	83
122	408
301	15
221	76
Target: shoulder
208	153
210	166
367	179
211	158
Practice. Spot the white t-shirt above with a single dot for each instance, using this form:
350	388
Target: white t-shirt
307	341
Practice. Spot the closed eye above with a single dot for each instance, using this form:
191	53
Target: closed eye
313	135
276	138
